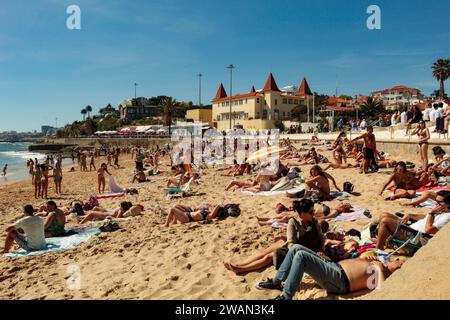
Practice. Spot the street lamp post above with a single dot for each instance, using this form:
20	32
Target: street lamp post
231	67
199	89
135	92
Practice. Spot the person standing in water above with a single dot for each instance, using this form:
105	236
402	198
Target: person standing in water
5	168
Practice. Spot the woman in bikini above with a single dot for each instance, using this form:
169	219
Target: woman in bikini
400	179
101	214
37	178
45	168
338	149
183	214
319	184
424	135
57	177
101	177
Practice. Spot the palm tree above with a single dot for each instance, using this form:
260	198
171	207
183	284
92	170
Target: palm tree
441	71
83	112
88	110
169	106
372	108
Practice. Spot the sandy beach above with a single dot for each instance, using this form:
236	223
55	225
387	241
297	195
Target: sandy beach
144	260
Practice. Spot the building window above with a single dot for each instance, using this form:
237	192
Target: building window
264	114
276	102
295	101
290	101
257	100
245	101
284	101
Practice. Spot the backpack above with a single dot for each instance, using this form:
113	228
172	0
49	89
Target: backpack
348	187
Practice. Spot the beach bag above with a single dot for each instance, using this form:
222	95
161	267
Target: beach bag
348	187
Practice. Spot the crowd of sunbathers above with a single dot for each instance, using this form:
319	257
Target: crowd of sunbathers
336	259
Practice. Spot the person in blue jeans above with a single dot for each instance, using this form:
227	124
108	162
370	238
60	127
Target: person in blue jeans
339	278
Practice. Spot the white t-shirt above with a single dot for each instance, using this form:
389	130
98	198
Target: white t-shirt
393	121
34	231
433	115
403	117
438	113
426	114
444	164
440	220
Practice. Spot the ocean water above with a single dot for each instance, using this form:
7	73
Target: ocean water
16	156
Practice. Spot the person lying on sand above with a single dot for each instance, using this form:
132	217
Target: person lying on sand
184	214
321	212
27	232
338	250
399	179
125	209
426	195
305	230
334	165
438	217
347	276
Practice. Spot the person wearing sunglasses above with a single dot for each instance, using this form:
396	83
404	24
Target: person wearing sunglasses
428	224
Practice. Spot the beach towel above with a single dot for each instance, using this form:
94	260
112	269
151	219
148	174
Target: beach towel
77	237
435	188
356	214
111	195
279	225
113	187
294	189
341	196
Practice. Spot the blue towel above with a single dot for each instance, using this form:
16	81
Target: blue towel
77	236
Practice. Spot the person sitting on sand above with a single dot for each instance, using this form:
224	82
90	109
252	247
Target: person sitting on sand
421	178
430	224
442	160
183	214
318	184
55	221
101	178
399	179
349	275
125	209
305	230
27	232
139	177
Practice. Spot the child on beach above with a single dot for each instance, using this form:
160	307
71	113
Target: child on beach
92	162
101	177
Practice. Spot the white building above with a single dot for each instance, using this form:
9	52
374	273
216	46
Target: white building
400	95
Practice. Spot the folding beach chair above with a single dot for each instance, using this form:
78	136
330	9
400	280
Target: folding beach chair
407	240
176	189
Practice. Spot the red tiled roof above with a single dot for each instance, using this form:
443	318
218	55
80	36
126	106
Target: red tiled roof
334	108
238	96
334	100
304	89
396	88
221	93
271	85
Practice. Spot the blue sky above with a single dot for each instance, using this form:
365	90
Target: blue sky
48	71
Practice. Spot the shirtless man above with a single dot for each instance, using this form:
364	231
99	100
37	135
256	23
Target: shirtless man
369	149
347	276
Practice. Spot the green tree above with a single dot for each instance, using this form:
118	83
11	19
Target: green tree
372	109
441	71
88	110
298	111
169	108
84	112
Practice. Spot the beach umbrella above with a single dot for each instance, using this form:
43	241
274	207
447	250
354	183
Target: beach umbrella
265	153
